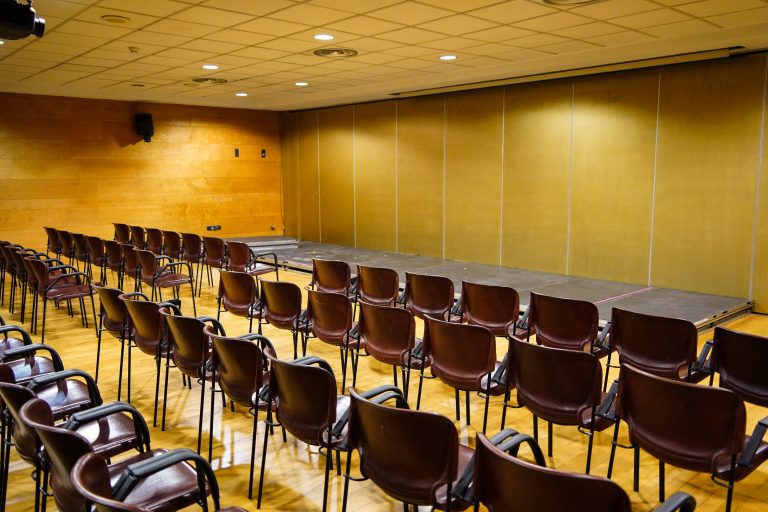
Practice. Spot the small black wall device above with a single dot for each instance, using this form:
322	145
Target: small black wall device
144	126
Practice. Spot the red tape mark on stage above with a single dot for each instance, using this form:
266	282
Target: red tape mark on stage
623	295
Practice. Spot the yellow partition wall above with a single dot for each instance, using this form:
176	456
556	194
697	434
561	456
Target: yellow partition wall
537	133
290	184
337	178
420	175
473	139
614	137
760	257
375	160
308	191
710	118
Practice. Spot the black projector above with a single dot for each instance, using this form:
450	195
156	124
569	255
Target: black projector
18	21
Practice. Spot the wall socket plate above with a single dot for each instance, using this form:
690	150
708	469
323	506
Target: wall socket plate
213	228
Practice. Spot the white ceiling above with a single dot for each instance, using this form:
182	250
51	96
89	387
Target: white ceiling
264	46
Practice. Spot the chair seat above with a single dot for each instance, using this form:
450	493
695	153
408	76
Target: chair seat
724	463
28	368
68	292
416	362
258	269
168	490
394	356
10	343
167	280
496	389
110	435
65	397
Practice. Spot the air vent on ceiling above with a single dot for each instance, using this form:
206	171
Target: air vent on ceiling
335	52
210	80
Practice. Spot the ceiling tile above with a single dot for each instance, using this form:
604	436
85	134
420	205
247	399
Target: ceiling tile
410	51
553	22
355	6
452	43
110	55
93	29
217	17
240	37
302	13
619	38
500	34
372	44
595	29
122	46
650	18
302	59
715	7
58	77
377	58
182	55
538	40
94	15
174	27
291	45
568	47
365	25
410	13
206	45
489	49
75	40
458	25
615	8
148	7
460	5
91	60
259	53
57	8
338	36
681	28
158	39
511	12
273	26
738	19
254	8
411	35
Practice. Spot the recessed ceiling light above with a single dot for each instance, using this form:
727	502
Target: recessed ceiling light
335	52
115	18
324	37
137	85
210	66
241	94
301	84
447	57
2	42
210	80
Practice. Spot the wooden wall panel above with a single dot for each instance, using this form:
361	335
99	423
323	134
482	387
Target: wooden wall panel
473	139
77	164
290	185
710	119
614	136
536	173
336	176
375	199
760	276
307	159
420	175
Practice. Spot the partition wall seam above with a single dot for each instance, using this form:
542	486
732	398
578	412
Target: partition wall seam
354	182
570	184
397	204
501	188
653	185
759	179
319	208
444	132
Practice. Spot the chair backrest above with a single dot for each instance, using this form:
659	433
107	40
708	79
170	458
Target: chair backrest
154	240
239	255
376	285
214	251
96	249
138	237
122	233
740	359
172	244
461	354
113	312
81	246
238	292
192	245
388	332
659	345
331	276
41	272
114	254
563	323
428	295
494	307
146	323
147	263
306	397
555	384
14	396
408	454
283	303
62	447
53	243
130	259
503	482
189	343
238	366
90	477
67	243
330	315
689	426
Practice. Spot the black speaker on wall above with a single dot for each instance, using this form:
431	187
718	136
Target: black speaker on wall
144	126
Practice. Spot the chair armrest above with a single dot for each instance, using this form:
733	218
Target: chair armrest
378	395
140	426
162	257
255	256
62	267
750	450
173	304
456	309
702	362
5	329
215	323
310	360
603	339
29	350
146	468
172	265
606	409
52	378
58	278
681	501
401	298
53	260
499	375
134	294
522	323
263	341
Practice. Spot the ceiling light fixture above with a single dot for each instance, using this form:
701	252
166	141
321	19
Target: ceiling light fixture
210	80
301	84
448	57
137	85
335	52
570	2
241	94
2	42
324	37
210	66
115	18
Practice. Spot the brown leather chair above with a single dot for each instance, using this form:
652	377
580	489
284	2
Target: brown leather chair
138	237
378	286
65	286
502	482
190	350
67	245
739	359
52	242
697	428
91	478
280	307
154	240
239	367
113	256
214	256
192	253
238	294
388	334
559	386
26	361
122	233
309	408
428	295
329	319
332	276
3	270
130	266
169	275
63	448
172	245
413	456
463	357
113	318
10	342
241	258
9	268
659	345
27	279
97	257
496	308
82	253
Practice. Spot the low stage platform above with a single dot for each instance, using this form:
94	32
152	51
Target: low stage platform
704	310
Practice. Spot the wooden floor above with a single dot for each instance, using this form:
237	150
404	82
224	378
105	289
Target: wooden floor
294	472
